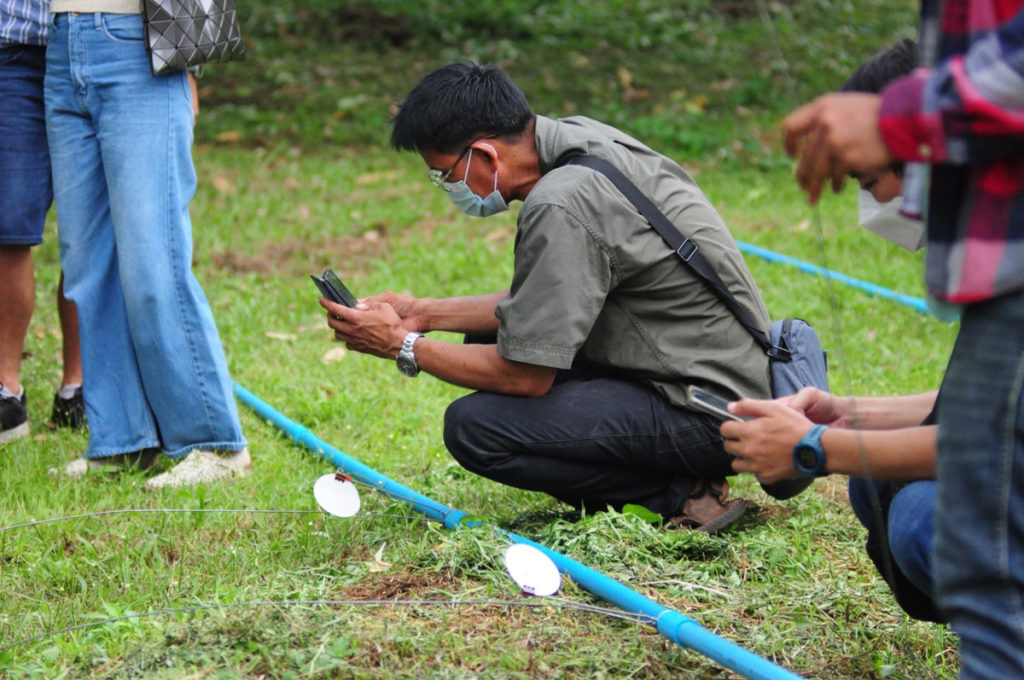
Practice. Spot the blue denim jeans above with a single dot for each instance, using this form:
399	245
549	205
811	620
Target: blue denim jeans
25	189
907	513
979	521
120	145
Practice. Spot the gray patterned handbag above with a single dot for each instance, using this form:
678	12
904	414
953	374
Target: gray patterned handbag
183	33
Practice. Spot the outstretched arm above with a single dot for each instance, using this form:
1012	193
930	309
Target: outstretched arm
764	446
862	413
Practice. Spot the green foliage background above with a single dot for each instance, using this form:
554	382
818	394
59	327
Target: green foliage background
295	175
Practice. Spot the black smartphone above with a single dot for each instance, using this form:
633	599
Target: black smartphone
333	289
702	400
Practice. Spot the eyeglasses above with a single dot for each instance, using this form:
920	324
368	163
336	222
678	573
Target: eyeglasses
439	177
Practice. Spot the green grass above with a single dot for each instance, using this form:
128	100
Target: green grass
305	180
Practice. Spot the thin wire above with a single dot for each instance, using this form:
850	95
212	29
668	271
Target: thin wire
835	304
254	511
837	327
559	603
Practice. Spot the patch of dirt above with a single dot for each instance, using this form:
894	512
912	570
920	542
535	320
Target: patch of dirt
833	488
403	584
293	257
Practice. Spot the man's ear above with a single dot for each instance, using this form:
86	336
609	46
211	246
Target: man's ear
487	149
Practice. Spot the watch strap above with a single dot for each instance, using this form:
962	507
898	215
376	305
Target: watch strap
811	441
406	358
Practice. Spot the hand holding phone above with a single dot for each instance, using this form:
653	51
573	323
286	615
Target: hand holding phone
333	289
705	401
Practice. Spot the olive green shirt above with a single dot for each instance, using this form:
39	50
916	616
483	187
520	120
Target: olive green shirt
592	276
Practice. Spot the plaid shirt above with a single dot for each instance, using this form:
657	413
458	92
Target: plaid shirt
964	117
23	22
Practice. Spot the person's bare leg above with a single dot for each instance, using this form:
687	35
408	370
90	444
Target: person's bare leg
16	306
69	329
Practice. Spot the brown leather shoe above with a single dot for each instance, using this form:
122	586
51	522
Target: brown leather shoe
706	509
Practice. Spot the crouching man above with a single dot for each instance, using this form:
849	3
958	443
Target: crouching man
580	392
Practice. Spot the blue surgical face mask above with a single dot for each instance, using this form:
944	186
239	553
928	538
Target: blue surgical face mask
468	202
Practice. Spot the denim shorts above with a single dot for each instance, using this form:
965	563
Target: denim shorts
26	190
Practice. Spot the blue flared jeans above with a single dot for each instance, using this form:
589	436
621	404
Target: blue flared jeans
120	142
979	520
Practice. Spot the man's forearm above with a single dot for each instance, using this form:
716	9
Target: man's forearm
480	367
891	455
466	314
888	413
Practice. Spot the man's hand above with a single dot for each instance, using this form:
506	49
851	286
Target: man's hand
405	306
764	445
834	135
371	328
819	406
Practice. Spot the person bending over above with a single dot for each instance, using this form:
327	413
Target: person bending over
581	393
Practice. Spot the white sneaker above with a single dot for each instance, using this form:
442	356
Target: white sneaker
204	466
111	464
75	469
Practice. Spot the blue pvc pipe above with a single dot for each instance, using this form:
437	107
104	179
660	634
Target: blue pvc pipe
678	628
872	289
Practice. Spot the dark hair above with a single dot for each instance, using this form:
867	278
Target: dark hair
880	70
455	105
883	68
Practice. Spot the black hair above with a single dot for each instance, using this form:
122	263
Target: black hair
880	70
883	68
456	104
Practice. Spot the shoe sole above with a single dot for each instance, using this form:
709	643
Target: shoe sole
733	513
14	433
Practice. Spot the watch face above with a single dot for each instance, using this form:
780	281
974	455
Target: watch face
808	458
407	367
406	359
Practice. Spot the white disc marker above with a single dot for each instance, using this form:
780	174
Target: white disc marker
337	495
532	570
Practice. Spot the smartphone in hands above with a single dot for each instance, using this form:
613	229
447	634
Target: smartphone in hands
333	289
705	401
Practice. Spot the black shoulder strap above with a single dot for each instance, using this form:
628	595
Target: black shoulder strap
685	248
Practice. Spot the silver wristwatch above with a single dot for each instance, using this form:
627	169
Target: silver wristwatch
406	358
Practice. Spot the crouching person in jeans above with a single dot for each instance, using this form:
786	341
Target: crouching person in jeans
581	393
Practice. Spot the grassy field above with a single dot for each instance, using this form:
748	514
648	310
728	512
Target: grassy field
250	580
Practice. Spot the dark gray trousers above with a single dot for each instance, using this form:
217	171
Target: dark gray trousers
590	441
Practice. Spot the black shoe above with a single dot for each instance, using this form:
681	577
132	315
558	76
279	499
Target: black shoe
69	412
13	418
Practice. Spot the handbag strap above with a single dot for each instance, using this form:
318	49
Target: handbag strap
683	246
